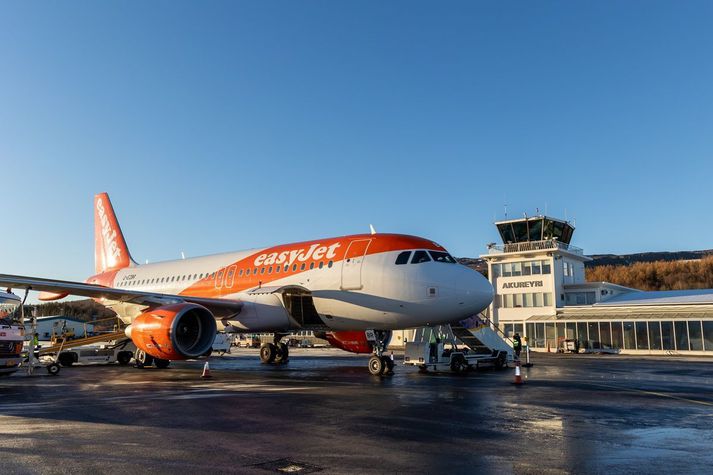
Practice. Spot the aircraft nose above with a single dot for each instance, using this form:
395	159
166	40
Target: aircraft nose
474	289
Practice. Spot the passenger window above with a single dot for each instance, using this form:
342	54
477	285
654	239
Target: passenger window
247	271
255	270
269	270
442	257
240	274
321	264
262	270
294	267
330	264
403	258
277	269
311	265
302	267
287	267
419	257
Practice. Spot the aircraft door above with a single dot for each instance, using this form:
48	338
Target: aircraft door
352	264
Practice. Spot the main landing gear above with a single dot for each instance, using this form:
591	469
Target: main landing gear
277	352
380	364
142	360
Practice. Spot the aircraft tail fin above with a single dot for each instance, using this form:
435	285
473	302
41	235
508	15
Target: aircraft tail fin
110	250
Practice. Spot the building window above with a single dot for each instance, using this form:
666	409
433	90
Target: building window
681	332
605	334
547	299
495	270
629	336
507	270
617	335
526	268
642	336
654	335
695	335
667	336
708	335
536	267
516	269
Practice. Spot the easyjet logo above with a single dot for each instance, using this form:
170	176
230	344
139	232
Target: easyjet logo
108	234
315	252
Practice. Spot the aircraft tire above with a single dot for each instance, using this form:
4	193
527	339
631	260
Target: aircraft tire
268	352
282	354
376	365
142	359
66	359
160	363
458	364
124	358
389	365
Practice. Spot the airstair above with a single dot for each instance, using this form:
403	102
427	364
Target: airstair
469	344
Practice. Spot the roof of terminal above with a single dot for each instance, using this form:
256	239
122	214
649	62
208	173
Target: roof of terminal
668	297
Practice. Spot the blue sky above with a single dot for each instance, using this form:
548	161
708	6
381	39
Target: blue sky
218	126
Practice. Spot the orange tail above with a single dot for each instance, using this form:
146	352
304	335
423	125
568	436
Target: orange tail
110	250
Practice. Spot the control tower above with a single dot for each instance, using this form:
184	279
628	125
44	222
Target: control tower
532	269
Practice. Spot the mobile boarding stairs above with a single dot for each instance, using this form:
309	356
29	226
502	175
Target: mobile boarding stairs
469	344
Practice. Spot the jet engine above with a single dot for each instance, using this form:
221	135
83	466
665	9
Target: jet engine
351	341
174	332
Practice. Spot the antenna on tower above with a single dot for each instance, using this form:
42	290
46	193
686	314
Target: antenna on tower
506	210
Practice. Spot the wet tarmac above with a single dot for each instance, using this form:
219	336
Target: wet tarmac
324	413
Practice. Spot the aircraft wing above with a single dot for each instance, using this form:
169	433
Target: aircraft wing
219	307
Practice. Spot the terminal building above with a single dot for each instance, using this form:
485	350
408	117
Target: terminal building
541	292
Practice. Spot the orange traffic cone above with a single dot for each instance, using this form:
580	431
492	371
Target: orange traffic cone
518	376
206	371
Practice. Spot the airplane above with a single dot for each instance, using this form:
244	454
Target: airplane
352	290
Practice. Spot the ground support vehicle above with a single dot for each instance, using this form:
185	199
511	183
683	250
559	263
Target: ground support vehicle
12	333
222	343
119	351
458	348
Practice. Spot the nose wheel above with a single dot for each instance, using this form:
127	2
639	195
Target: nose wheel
380	364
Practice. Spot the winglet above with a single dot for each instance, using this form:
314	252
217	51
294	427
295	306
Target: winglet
110	250
371	227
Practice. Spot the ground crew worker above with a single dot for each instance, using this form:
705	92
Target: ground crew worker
36	345
517	345
433	345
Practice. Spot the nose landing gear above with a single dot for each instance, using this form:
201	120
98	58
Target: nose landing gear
380	364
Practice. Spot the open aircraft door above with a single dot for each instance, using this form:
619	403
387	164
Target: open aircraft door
352	264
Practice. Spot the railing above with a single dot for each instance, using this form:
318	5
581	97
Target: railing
533	246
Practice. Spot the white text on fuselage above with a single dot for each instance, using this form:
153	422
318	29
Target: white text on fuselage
108	234
315	252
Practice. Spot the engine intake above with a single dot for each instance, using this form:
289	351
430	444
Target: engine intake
174	332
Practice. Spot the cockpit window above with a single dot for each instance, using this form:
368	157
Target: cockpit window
403	258
442	257
419	257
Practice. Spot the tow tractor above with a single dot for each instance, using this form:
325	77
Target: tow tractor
12	333
469	344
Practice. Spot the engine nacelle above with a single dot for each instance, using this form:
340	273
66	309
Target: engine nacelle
174	332
353	342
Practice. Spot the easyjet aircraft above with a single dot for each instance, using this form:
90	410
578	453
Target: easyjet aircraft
355	289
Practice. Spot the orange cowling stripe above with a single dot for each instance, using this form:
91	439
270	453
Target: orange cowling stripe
110	250
295	255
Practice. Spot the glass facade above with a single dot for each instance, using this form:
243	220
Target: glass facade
682	335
